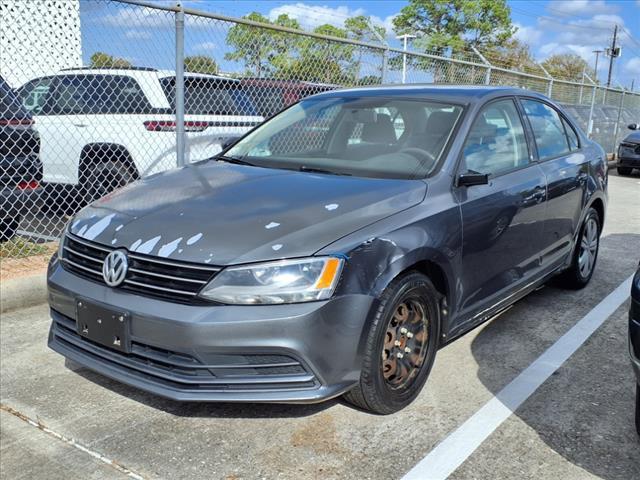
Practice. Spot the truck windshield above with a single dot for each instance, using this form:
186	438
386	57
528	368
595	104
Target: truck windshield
363	136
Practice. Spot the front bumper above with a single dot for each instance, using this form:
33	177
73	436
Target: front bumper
300	353
628	158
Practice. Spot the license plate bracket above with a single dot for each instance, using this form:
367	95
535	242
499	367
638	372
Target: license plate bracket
103	325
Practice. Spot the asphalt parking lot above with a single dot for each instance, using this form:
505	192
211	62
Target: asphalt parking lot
68	423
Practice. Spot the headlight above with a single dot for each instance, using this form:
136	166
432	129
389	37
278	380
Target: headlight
285	281
61	241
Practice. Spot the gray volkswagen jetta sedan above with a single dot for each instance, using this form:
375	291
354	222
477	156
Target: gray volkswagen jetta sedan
333	249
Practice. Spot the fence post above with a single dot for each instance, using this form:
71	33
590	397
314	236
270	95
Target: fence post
385	59
487	75
593	102
180	140
617	125
549	78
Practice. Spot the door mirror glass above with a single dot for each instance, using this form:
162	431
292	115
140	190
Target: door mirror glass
634	126
469	179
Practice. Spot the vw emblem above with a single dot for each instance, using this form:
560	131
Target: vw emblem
114	268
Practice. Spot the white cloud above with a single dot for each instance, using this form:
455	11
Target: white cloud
633	66
580	7
138	35
207	47
135	17
311	16
528	34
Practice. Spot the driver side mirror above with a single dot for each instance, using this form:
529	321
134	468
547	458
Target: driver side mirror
469	179
633	126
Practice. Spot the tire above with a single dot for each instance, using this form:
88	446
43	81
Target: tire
577	276
638	409
8	228
381	388
624	170
103	178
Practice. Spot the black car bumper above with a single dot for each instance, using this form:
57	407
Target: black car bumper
299	353
629	156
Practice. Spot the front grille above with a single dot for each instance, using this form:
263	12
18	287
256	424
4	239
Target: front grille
185	372
147	275
631	146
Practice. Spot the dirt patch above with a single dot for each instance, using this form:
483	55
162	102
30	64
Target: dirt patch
20	261
319	434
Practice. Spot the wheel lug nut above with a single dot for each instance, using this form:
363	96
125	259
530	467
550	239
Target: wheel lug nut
403	331
409	335
397	343
399	355
407	350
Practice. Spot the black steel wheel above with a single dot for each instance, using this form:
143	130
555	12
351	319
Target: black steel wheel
401	345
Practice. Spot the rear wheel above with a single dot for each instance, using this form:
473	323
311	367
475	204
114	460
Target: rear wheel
104	177
585	255
624	170
401	345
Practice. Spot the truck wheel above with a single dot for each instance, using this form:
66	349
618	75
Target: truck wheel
401	346
103	178
585	255
624	170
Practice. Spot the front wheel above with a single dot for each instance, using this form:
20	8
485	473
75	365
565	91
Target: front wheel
400	347
624	170
584	257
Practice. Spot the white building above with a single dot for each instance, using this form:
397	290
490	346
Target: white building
38	37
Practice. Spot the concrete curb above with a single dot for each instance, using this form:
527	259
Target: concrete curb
23	292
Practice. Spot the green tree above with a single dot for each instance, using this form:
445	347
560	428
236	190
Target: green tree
200	64
261	50
513	54
362	29
454	24
323	61
104	60
567	66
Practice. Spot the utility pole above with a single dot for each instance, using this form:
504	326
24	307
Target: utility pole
405	37
595	70
613	53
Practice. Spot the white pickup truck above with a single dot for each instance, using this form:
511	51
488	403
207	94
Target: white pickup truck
102	128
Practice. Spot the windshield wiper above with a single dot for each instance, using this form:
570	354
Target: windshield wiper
236	160
304	168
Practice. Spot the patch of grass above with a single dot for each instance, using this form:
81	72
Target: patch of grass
21	248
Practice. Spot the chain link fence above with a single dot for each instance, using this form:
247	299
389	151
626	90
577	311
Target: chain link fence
73	130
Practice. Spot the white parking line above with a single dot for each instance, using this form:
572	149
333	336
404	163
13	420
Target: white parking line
460	444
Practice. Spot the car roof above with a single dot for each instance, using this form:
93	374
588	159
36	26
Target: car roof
137	72
453	93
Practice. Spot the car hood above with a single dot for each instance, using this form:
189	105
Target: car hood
224	214
633	137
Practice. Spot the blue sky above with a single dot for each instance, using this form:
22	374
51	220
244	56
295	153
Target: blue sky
549	27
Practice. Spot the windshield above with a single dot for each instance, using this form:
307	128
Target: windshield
366	136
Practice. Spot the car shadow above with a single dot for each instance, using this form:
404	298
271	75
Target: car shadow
585	410
201	409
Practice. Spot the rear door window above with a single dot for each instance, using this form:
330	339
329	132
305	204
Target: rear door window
34	94
97	94
548	130
210	96
574	143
